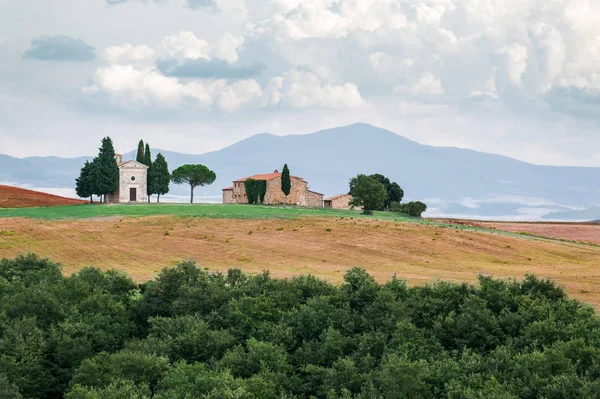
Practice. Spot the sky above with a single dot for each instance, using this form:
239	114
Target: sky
514	77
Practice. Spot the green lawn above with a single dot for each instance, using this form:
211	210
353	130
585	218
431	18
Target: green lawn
201	210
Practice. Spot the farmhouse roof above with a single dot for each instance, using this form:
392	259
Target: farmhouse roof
314	192
267	177
335	197
228	188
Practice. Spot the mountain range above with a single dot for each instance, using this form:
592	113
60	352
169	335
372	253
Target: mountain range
453	181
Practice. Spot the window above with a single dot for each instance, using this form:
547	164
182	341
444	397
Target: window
132	178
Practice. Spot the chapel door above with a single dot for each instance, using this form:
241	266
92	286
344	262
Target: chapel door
132	194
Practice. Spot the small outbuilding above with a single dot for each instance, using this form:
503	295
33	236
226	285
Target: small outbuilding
341	201
133	183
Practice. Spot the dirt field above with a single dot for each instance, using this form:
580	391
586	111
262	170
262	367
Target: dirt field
14	197
584	232
568	231
325	247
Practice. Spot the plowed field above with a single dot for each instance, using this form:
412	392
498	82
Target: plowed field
15	197
322	246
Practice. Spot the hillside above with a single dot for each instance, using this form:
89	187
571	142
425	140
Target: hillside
453	181
15	197
325	243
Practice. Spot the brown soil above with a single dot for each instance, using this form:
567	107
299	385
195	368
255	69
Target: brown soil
415	252
583	232
15	197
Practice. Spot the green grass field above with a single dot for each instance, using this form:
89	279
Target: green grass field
220	211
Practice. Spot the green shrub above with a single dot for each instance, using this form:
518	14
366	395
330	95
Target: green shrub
413	208
201	334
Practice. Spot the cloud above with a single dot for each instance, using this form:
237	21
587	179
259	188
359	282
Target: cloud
227	47
426	85
186	45
128	53
203	68
133	88
232	97
516	61
128	86
60	48
195	4
305	89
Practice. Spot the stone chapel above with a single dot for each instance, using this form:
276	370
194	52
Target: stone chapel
133	181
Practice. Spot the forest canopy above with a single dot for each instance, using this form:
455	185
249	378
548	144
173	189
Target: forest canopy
199	334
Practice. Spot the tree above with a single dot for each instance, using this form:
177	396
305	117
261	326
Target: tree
159	177
105	171
84	185
393	189
255	190
148	162
147	156
286	183
140	152
250	186
194	175
368	193
262	190
413	208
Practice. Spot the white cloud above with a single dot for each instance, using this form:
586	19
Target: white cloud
232	97
149	88
186	45
427	85
127	53
226	49
516	61
305	89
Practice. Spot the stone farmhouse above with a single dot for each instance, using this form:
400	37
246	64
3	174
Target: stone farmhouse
299	195
338	202
133	181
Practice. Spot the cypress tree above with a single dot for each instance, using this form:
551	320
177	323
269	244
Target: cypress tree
140	152
147	156
148	162
159	176
286	183
262	190
105	171
84	183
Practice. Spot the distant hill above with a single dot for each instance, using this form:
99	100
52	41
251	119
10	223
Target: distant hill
454	181
41	171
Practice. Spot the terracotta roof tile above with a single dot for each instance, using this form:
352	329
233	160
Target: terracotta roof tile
228	188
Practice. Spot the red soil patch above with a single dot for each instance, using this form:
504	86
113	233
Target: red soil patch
15	197
580	232
588	233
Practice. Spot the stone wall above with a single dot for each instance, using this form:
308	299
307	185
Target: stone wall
341	202
239	193
275	196
313	199
228	197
